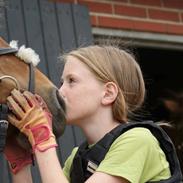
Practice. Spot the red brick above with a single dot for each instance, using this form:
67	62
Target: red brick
147	2
163	15
114	23
97	7
93	20
175	29
150	26
120	1
177	4
130	11
182	17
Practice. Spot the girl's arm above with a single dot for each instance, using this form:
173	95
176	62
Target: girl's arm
49	166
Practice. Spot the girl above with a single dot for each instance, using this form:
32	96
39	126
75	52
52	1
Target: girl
101	86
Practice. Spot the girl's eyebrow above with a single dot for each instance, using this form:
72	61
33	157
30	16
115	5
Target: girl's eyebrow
67	76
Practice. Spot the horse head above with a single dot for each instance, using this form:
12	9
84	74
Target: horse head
15	73
173	103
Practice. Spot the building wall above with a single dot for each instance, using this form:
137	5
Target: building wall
157	16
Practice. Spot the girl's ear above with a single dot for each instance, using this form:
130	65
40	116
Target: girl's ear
110	93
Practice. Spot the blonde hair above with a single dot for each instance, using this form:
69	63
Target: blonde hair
109	63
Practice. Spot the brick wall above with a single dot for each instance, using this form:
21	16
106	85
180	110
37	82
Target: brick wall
160	16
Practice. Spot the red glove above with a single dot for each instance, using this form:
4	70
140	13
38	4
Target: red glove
16	156
32	117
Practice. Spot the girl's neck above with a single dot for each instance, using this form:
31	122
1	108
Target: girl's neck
94	131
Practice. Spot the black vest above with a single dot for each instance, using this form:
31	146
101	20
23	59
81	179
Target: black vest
87	159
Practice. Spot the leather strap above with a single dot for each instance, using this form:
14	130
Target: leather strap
4	51
31	78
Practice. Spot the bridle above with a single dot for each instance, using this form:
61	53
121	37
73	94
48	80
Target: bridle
31	88
5	51
11	78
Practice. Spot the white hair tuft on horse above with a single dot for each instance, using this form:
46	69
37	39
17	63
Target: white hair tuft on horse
28	55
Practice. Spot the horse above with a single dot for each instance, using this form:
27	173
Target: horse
15	73
173	124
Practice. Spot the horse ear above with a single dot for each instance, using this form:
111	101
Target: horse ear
171	105
3	43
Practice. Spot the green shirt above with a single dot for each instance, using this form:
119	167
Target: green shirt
134	155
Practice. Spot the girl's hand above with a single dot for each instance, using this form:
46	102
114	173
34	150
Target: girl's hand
32	117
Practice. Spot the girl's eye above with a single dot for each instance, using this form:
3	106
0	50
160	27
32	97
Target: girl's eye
71	80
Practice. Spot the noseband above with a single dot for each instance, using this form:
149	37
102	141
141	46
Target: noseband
3	107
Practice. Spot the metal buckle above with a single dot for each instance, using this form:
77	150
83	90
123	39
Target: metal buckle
91	167
11	78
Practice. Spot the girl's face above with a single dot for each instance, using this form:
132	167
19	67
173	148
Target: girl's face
81	91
